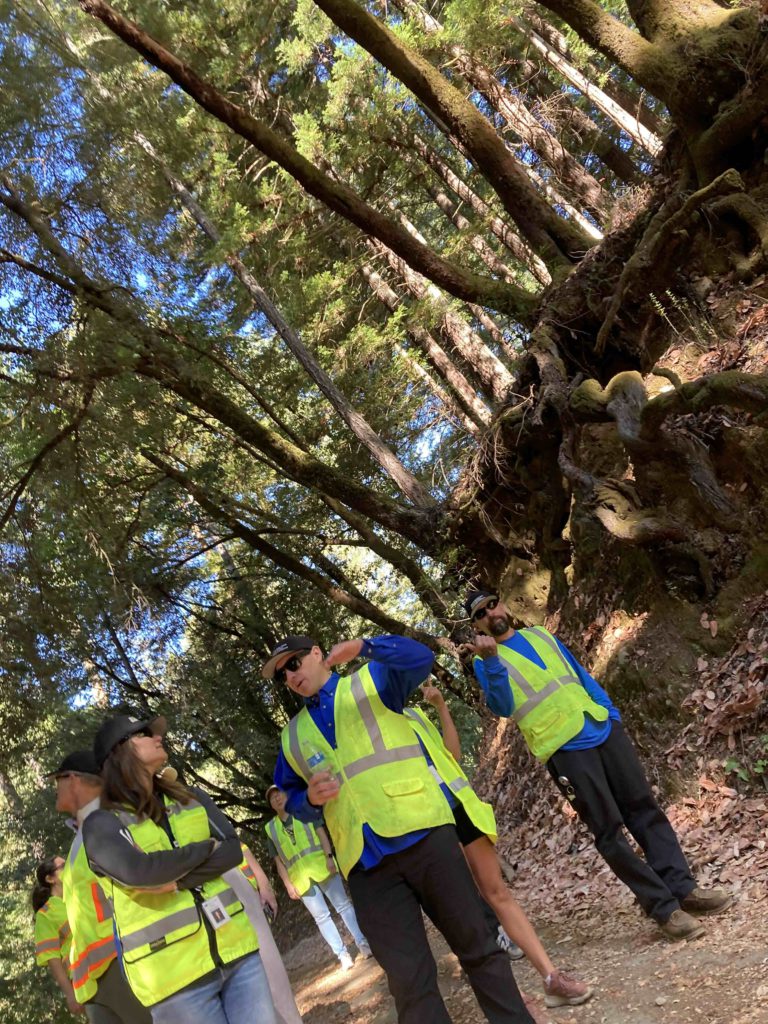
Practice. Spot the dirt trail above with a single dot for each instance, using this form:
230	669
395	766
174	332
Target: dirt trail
721	978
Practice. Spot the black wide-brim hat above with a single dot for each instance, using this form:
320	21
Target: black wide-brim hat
120	728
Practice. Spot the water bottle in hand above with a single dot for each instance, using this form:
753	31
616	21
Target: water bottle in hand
320	760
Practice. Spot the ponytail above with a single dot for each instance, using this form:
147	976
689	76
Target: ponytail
41	892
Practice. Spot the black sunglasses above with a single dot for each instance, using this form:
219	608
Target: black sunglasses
481	612
292	665
141	732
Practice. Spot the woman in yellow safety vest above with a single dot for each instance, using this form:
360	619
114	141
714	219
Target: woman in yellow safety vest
52	933
477	837
187	947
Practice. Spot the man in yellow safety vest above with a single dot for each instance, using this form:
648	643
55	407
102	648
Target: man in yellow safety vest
96	977
570	724
351	752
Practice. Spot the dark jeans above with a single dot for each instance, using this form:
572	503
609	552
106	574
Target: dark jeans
611	791
432	875
114	1003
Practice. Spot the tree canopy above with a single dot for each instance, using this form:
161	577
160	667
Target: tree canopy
315	311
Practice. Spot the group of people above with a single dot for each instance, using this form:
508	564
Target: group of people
149	915
156	913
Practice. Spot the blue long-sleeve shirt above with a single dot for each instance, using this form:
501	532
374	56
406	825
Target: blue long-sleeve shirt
493	679
397	665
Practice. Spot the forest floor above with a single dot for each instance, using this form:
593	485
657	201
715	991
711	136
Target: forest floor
721	978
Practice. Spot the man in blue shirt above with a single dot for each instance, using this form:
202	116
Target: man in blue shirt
597	769
396	877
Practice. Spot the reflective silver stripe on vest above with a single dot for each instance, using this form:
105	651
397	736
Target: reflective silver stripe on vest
178	808
458	783
48	946
129	818
103	951
535	697
295	747
381	753
228	896
74	849
126	817
159	929
314	845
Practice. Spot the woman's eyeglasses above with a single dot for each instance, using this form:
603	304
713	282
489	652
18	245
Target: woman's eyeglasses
481	612
292	665
141	732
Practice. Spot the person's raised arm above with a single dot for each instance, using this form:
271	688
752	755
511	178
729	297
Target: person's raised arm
397	664
490	674
447	726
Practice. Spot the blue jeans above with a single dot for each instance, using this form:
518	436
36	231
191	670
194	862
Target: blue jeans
334	890
234	995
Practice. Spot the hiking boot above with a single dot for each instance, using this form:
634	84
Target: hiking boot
561	989
706	901
506	945
346	961
365	951
681	926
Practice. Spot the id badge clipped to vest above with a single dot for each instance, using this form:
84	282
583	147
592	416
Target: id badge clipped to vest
215	911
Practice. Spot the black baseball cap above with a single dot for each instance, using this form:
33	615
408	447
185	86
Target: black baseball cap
478	599
289	645
79	762
120	728
270	790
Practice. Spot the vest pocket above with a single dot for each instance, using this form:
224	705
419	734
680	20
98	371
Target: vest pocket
402	787
544	727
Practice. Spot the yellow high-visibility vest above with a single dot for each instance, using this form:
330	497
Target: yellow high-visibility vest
302	855
90	915
385	780
447	767
53	937
550	702
164	942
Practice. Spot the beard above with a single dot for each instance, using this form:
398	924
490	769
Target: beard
498	626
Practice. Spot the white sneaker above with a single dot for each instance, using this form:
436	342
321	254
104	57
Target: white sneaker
346	961
507	946
365	951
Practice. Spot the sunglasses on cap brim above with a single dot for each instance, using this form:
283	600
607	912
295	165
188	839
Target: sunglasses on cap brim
481	612
292	665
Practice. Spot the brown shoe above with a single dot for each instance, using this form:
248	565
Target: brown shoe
681	926
561	989
706	901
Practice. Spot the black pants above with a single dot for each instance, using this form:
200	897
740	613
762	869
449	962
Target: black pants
611	791
114	1003
388	900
